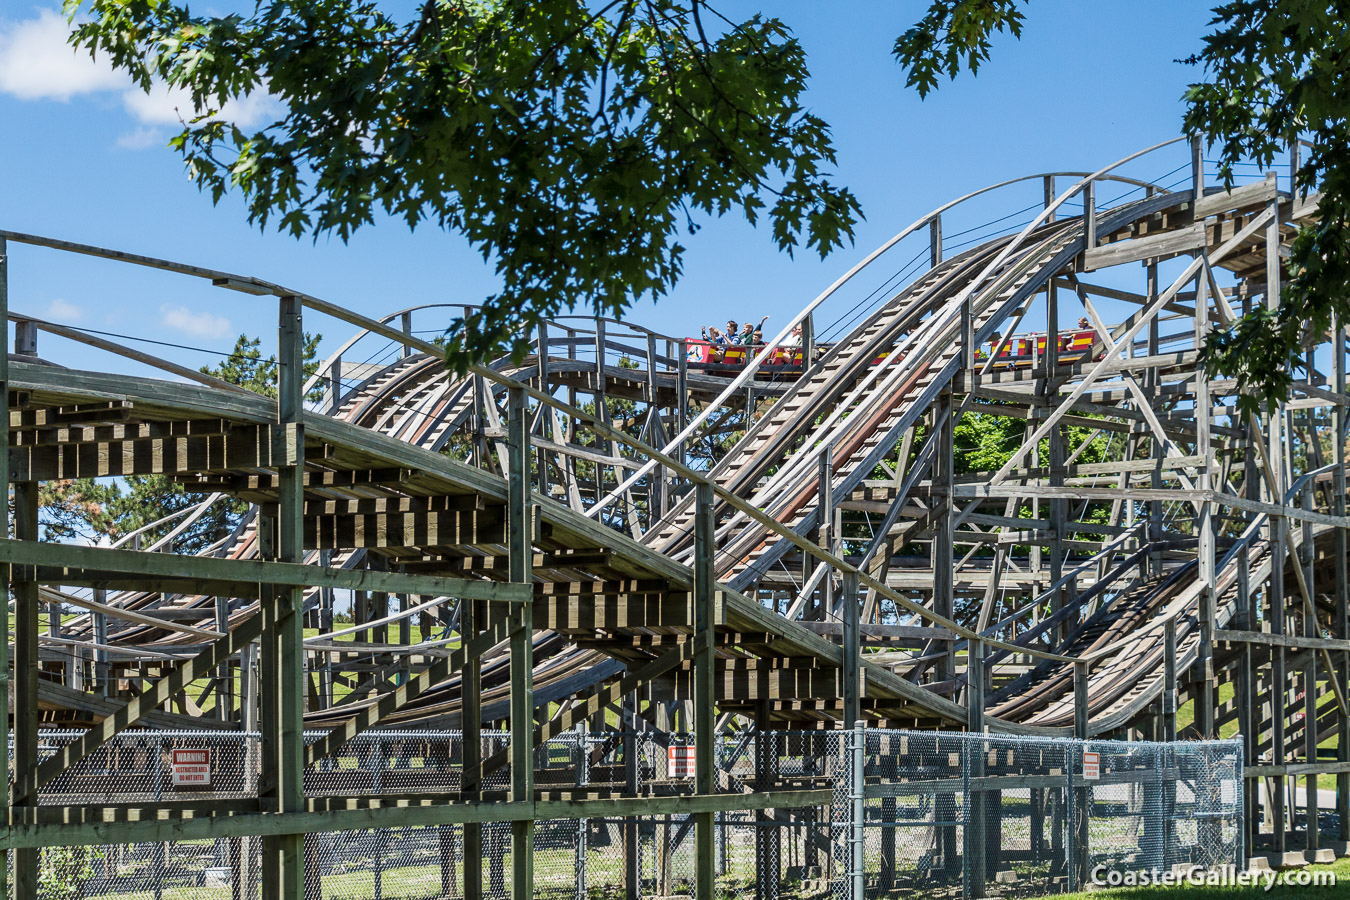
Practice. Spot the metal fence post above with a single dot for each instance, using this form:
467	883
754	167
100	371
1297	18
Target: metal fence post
1241	805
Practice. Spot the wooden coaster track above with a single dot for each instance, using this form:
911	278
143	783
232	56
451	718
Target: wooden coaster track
1093	586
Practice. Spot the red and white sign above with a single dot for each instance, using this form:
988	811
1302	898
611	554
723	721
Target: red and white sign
192	768
1092	765
681	760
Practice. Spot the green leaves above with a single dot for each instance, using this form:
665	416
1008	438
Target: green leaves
953	34
569	142
1277	72
248	368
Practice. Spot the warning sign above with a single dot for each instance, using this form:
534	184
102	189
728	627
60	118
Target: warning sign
192	768
681	760
1092	765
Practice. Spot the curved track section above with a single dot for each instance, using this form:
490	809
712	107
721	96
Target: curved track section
1133	523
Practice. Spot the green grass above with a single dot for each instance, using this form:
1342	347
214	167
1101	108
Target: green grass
1186	718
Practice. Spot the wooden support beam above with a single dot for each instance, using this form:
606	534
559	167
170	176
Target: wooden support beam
1159	246
245	447
92	825
850	673
449	528
5	622
589	613
78	562
705	693
146	702
267	482
1281	640
499	630
283	655
520	520
26	672
590	704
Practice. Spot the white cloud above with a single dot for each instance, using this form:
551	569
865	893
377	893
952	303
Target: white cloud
141	138
164	105
36	63
62	311
196	324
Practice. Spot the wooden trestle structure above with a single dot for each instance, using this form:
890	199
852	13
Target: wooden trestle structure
604	535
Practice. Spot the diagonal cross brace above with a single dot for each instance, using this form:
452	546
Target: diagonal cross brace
432	675
147	701
596	701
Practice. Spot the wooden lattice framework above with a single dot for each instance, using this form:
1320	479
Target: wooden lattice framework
827	565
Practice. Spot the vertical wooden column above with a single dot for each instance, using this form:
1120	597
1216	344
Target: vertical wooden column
1154	560
25	590
935	241
1090	214
681	396
283	663
705	696
405	324
4	534
976	818
1169	698
100	620
1342	590
825	534
1275	428
1245	697
628	721
851	675
1204	526
768	859
225	671
941	553
249	872
941	557
471	723
1058	507
520	526
1307	559
602	445
1082	794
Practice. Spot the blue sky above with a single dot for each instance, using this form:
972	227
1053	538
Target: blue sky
84	160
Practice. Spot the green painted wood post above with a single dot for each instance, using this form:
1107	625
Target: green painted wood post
26	626
1204	525
1082	795
520	525
283	673
471	684
705	695
976	819
4	533
1342	576
1277	613
852	669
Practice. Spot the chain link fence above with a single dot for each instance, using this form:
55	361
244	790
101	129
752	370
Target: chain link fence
910	813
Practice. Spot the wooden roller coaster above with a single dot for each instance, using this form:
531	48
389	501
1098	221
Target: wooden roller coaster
633	530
